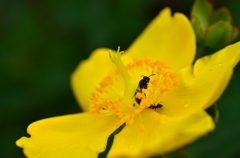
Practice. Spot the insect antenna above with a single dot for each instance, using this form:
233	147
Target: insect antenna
151	75
147	76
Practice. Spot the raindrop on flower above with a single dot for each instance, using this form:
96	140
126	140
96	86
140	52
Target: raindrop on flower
186	105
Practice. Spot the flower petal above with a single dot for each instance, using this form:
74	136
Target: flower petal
167	38
162	134
89	73
77	135
203	84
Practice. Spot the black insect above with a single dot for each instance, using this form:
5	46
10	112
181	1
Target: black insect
143	84
155	106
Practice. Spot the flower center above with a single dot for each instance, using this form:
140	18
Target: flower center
140	85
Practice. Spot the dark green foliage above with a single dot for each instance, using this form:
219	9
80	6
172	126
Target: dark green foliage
42	42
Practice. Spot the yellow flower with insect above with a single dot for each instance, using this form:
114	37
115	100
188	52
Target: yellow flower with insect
153	88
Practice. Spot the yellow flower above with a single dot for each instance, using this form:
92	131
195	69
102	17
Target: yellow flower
161	116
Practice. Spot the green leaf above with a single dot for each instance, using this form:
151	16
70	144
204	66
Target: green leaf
202	9
198	30
235	32
219	34
221	14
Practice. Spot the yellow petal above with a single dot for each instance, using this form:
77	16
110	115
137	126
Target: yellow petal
167	38
162	134
78	135
89	73
203	84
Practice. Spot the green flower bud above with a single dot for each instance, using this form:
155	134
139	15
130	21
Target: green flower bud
213	28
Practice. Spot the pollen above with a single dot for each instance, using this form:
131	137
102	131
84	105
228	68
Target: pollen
141	127
139	95
121	94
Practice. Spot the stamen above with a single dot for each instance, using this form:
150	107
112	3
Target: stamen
129	119
139	95
141	127
122	94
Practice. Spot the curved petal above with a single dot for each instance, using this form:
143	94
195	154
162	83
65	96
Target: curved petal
77	135
162	134
167	38
203	84
89	73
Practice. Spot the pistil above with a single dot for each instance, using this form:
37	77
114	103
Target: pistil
130	84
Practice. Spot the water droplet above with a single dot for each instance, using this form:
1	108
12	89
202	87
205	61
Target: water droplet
220	64
210	70
186	105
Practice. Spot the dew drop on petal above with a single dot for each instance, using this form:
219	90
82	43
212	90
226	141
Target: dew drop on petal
220	64
186	105
210	70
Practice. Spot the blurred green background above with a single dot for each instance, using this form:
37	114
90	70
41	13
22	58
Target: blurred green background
42	42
